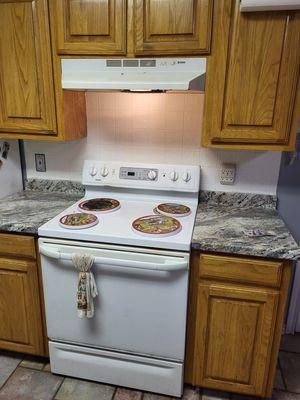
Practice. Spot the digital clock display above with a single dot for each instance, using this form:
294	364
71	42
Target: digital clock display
130	173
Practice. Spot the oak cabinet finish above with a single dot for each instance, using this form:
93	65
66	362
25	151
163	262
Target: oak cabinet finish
32	102
172	26
89	26
21	327
252	88
234	322
26	77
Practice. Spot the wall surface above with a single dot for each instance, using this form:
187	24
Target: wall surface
289	192
158	128
289	208
10	172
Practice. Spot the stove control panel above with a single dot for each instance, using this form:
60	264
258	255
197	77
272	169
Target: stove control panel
185	178
141	174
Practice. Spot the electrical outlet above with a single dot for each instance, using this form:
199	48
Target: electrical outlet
40	162
227	176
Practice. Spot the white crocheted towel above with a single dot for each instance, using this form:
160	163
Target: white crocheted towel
87	289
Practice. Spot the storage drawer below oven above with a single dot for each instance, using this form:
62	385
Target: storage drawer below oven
117	368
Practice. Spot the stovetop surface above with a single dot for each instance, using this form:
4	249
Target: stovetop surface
140	189
116	227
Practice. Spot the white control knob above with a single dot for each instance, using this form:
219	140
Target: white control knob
173	176
104	172
186	176
93	171
152	175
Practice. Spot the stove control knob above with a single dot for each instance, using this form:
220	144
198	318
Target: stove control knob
152	175
104	172
186	176
173	176
93	171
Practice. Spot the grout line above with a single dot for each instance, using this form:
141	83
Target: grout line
5	382
114	393
31	368
289	351
55	394
282	374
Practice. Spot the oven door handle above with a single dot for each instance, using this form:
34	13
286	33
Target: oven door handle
166	266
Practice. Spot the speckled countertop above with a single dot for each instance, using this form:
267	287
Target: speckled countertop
226	223
26	211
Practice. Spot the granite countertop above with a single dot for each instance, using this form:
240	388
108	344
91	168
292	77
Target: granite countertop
26	211
225	223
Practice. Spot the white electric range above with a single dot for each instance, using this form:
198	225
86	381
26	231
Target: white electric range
137	221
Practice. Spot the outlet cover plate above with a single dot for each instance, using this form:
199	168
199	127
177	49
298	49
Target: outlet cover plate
227	175
40	162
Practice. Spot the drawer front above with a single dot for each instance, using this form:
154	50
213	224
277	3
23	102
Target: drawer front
264	272
17	245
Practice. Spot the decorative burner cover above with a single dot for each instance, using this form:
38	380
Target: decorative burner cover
173	209
157	225
100	205
78	221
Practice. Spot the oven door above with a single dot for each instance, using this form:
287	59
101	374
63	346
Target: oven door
141	306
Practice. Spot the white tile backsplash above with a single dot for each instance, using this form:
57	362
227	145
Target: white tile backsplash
153	127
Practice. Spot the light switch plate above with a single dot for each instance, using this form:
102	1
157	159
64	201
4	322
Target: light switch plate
227	175
40	162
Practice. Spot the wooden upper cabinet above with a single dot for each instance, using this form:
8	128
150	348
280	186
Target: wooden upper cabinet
252	86
89	26
26	78
164	27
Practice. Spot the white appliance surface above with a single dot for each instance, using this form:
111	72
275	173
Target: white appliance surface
129	370
135	299
116	227
131	74
269	5
137	335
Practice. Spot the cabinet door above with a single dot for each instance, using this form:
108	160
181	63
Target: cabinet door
26	79
252	78
89	26
234	336
172	26
20	314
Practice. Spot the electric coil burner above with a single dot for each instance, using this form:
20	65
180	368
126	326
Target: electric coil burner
157	225
102	205
173	209
78	221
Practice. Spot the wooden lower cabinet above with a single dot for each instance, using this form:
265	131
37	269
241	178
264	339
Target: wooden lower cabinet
235	319
21	327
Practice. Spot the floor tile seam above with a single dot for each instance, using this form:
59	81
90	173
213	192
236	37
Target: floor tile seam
59	386
282	374
288	351
7	379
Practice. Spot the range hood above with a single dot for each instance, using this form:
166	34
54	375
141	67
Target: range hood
269	5
134	74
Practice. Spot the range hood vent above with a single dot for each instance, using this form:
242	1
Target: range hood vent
134	74
269	5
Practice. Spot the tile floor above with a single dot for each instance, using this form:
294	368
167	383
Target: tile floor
29	378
